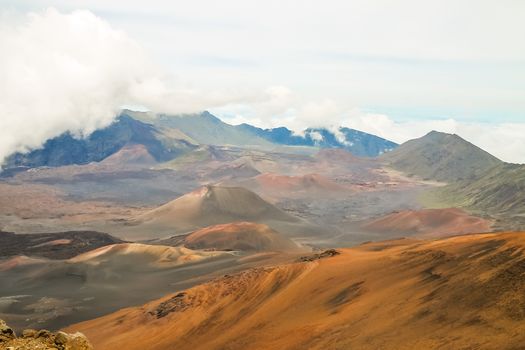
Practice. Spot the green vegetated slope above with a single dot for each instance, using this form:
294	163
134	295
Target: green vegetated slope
442	157
500	191
207	129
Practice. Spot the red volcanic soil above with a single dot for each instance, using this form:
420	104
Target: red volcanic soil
337	155
246	236
464	292
129	155
429	222
308	182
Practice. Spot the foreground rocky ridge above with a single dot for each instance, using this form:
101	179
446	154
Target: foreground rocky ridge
31	339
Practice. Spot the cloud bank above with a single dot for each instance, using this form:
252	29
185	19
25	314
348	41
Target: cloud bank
72	72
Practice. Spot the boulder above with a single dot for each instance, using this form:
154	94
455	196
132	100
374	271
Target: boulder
6	332
29	333
76	341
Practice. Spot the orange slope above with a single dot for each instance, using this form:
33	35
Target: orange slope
429	223
245	236
458	293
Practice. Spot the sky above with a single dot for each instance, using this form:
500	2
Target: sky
398	69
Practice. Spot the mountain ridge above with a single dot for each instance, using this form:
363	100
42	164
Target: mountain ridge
357	142
67	149
167	137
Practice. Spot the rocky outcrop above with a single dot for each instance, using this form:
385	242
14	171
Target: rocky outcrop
32	339
6	332
325	254
175	303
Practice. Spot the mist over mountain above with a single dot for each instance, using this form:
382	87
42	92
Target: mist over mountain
206	128
167	137
357	142
67	149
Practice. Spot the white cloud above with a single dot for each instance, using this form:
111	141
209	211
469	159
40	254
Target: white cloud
504	140
278	106
384	126
73	71
446	55
316	136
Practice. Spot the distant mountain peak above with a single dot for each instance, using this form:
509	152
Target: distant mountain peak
441	156
209	116
442	135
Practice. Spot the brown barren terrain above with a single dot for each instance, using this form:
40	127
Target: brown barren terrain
207	206
310	182
465	292
429	223
246	236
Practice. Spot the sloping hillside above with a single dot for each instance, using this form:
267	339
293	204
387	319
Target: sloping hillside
201	154
429	223
465	292
500	191
243	236
38	292
442	157
276	186
309	182
210	205
129	155
132	253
